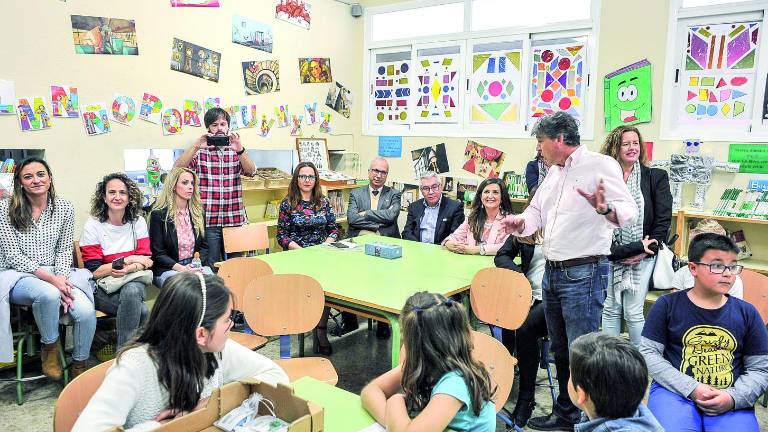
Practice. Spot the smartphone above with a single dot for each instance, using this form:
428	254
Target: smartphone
218	140
339	245
119	263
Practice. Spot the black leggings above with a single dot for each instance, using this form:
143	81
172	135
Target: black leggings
523	343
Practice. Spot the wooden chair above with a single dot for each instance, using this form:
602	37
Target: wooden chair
498	362
237	274
75	396
285	304
246	238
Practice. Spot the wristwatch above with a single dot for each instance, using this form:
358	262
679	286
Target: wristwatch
482	249
608	209
240	152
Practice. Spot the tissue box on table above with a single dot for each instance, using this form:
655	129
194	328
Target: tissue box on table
384	250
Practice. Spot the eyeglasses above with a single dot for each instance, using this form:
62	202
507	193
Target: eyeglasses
433	188
375	171
308	178
719	268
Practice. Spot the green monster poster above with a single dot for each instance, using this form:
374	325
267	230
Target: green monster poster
628	95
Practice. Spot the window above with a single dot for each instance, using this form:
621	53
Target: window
422	21
493	14
697	3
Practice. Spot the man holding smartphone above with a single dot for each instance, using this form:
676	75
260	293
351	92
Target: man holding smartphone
219	159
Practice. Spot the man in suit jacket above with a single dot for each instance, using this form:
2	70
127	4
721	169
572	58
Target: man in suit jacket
374	208
434	217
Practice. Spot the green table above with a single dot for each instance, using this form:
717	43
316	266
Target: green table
343	411
380	286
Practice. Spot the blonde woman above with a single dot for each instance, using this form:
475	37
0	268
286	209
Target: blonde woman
176	227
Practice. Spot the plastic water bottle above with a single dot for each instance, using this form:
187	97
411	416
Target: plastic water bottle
196	263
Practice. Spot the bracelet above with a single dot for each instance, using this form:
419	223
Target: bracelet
240	152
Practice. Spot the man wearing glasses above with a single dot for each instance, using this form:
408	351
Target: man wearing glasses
432	218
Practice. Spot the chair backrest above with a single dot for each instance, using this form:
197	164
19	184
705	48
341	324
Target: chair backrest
283	304
245	238
756	291
75	396
500	297
77	255
498	362
239	272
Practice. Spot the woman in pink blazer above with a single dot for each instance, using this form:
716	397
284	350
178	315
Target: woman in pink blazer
482	233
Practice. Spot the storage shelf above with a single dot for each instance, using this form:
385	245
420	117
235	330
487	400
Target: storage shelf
708	215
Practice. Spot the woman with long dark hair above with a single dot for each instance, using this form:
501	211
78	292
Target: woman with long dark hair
36	233
181	354
482	233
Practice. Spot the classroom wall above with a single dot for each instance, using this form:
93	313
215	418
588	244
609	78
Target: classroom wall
41	53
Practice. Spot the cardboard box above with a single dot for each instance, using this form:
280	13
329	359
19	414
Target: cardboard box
302	416
384	250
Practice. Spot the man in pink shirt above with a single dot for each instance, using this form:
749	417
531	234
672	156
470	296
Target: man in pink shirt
581	201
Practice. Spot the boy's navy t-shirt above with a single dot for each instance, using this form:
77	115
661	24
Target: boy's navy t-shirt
706	344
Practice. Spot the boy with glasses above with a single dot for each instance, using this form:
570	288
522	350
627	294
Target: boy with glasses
706	351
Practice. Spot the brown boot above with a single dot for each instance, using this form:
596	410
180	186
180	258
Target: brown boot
49	356
77	368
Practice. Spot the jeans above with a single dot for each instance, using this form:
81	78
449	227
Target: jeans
128	305
44	299
523	343
573	306
676	413
215	239
631	303
160	280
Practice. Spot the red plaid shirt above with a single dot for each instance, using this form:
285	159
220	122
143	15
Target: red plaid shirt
219	172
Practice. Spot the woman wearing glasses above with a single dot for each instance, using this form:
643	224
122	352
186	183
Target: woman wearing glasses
307	219
632	251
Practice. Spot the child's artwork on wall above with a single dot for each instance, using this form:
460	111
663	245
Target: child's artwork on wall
437	88
313	150
281	113
151	108
628	95
339	99
172	122
432	158
494	87
95	119
123	109
557	80
33	115
261	76
242	116
100	35
296	12
195	60
391	92
482	160
251	34
719	73
310	113
315	70
194	3
211	102
64	102
325	122
265	127
192	112
296	125
7	97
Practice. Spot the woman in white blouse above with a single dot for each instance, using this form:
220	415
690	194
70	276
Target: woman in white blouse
181	354
36	232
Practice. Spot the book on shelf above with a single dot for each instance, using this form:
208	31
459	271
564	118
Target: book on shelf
736	202
337	203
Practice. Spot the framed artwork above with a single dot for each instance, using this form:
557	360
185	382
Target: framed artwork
313	150
315	70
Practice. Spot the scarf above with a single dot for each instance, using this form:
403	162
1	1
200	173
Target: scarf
542	170
627	277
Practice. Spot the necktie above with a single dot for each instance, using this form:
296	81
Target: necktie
375	193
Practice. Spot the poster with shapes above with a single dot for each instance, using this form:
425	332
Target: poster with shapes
339	99
627	95
391	92
281	114
96	120
211	102
310	113
265	128
64	102
718	98
432	158
495	87
557	80
325	122
7	97
261	76
437	90
315	70
313	150
192	112
296	12
195	60
252	34
123	109
151	108
100	35
482	160
722	46
194	3
33	114
172	122
296	125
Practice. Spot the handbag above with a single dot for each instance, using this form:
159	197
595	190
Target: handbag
111	284
664	270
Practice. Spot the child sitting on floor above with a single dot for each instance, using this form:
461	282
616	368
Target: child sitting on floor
706	351
608	381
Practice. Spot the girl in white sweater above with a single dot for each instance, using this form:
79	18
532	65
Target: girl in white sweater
181	354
